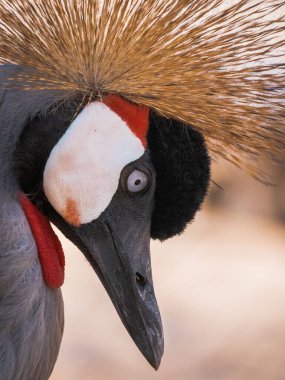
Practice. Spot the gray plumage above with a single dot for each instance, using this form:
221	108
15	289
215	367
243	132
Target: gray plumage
31	314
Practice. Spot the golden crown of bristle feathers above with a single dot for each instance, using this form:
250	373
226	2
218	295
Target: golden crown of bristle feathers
217	65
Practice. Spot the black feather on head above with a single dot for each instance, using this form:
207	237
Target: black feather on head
182	165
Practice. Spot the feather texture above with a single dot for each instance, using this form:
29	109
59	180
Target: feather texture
31	314
214	64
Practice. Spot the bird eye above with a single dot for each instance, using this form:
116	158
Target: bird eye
137	181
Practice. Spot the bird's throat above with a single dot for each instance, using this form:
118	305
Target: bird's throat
50	251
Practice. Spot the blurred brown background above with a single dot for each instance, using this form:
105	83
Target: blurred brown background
221	291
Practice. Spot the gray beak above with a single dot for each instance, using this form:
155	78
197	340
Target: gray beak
121	259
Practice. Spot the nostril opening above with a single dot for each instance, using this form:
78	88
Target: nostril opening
140	279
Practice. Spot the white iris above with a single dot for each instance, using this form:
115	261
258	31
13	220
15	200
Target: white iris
137	181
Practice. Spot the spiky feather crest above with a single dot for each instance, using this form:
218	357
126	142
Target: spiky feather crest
216	66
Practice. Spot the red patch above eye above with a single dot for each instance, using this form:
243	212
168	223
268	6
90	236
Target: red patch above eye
135	116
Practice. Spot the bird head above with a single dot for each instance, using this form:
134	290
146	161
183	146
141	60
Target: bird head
111	177
130	164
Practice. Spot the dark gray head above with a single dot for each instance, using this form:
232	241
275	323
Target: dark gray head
110	179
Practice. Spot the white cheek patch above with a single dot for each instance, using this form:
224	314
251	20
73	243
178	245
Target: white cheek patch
83	171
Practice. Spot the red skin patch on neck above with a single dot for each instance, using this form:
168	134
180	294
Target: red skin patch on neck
49	247
135	116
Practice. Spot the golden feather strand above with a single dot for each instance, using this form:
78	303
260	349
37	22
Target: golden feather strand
215	64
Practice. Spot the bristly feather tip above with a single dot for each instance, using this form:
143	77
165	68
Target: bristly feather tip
215	64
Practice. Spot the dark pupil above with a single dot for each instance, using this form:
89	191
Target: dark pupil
138	182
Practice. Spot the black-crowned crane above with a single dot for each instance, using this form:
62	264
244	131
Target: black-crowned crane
107	112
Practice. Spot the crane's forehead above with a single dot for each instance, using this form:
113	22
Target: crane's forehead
83	171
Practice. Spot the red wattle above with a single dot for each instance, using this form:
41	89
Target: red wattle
49	247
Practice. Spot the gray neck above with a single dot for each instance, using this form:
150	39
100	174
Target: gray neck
31	314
